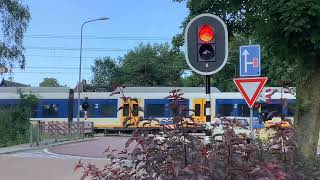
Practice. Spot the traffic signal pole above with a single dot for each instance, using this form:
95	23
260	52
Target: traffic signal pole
206	42
208	99
207	106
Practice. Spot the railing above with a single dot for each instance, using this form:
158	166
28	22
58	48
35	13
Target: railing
47	132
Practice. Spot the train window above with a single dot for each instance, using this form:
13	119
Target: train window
197	109
274	107
291	109
92	110
125	111
225	110
50	110
6	106
155	110
243	110
135	111
108	110
185	111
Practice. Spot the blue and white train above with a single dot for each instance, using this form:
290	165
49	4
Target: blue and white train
103	111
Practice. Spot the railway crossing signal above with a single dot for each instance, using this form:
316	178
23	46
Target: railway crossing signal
85	104
206	38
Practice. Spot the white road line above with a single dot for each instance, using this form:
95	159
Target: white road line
48	155
70	156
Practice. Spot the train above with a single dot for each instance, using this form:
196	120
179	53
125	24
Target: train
105	112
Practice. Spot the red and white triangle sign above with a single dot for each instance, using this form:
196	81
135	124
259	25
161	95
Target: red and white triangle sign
250	88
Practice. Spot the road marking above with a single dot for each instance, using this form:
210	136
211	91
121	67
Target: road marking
44	153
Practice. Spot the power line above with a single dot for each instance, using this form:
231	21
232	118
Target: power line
52	36
74	49
55	72
60	56
52	67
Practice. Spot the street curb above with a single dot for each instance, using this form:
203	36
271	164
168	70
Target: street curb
47	146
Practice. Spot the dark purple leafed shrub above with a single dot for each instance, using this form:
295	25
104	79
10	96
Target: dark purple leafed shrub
179	155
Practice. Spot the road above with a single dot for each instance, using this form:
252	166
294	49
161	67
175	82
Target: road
58	162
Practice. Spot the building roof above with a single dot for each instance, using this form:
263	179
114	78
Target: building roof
5	83
168	89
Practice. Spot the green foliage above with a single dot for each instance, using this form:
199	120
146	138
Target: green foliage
14	21
14	121
146	65
106	72
49	82
289	33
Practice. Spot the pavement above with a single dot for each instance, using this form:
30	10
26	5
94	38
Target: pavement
27	147
32	168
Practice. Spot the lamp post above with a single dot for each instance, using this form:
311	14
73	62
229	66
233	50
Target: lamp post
80	63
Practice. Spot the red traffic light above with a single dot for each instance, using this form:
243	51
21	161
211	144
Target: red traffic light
206	33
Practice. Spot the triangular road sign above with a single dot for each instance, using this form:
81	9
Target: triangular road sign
250	88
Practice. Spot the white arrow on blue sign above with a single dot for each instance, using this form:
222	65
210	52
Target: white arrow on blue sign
250	61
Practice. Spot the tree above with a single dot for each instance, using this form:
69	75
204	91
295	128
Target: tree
145	65
49	82
14	22
106	72
289	32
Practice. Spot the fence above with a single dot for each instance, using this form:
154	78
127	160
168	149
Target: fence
47	132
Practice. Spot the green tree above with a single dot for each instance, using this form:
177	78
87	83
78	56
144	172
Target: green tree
289	32
49	82
14	21
106	72
145	65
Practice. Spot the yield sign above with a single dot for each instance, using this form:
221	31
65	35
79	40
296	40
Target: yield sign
250	88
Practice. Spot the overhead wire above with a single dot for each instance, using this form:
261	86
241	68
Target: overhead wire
52	36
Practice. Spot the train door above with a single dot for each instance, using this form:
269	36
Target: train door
199	108
130	108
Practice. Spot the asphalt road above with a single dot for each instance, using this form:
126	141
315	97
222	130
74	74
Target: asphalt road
41	168
58	162
93	148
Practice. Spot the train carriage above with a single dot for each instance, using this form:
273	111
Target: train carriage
103	108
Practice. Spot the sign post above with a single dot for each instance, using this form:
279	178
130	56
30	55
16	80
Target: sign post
250	89
250	66
206	41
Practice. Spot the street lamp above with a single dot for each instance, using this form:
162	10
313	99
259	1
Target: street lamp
80	63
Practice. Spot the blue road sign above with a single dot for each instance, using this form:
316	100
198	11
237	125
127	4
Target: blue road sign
250	61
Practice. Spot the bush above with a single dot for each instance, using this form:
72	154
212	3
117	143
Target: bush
14	121
183	156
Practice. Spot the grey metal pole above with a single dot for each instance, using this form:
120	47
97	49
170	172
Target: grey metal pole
79	82
80	63
251	120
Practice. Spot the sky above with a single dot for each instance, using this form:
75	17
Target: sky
52	40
